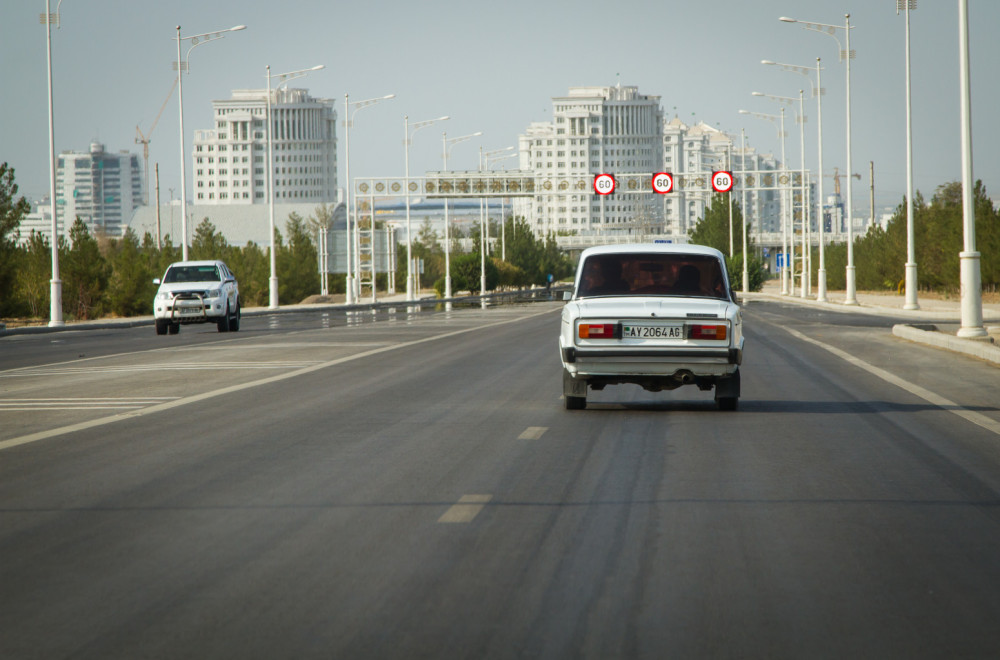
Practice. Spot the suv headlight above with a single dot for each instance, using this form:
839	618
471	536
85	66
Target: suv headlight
163	296
214	293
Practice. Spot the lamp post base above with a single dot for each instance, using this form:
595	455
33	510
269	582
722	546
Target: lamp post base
55	307
349	288
273	296
852	295
972	296
821	286
911	287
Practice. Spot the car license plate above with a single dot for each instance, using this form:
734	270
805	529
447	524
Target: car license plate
653	331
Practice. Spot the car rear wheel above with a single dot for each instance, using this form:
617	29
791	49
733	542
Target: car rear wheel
576	402
728	403
234	320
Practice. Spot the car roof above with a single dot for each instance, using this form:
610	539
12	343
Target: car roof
204	262
651	248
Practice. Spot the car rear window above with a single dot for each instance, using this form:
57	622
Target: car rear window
192	274
656	274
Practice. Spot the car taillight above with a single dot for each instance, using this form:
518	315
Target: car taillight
597	330
706	332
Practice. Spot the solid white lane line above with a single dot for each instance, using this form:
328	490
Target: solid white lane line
466	510
533	433
51	433
928	396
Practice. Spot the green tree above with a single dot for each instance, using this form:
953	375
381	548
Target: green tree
467	273
130	289
32	288
85	274
208	242
252	268
12	210
298	266
713	231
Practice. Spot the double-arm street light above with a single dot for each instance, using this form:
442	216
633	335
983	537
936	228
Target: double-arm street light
784	207
282	78
503	224
446	145
182	66
55	290
806	238
817	91
351	281
410	279
851	297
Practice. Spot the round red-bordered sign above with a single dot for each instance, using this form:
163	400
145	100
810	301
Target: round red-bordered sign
663	182
722	181
604	184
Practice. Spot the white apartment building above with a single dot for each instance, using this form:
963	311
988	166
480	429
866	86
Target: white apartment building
593	130
100	188
230	160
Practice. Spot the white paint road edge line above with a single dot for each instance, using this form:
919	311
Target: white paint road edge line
466	510
102	421
928	396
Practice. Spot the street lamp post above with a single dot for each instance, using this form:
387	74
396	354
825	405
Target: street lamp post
55	290
969	267
182	65
446	144
804	278
410	283
818	93
484	229
746	275
785	207
351	281
503	225
851	297
283	78
911	259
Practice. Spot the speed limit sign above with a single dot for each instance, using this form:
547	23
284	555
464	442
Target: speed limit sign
722	181
604	184
663	182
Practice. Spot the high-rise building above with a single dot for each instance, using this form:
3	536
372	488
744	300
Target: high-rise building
594	130
230	160
100	188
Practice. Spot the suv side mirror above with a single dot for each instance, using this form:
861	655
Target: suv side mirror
157	281
567	295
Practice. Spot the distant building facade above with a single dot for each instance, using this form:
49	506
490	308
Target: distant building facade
230	160
100	188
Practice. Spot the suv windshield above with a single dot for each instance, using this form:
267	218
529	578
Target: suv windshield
192	274
656	274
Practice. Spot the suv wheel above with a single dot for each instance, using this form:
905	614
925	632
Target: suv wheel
576	402
223	323
234	320
161	326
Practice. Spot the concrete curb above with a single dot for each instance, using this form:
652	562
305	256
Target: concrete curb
983	349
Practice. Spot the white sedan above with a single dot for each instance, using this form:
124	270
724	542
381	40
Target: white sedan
656	315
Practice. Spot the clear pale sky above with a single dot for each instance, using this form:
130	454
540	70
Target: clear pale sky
493	67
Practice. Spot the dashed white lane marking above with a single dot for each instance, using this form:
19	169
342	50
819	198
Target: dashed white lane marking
533	433
466	510
169	405
916	390
163	366
81	403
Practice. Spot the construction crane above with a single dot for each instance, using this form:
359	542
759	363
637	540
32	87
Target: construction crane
144	139
836	176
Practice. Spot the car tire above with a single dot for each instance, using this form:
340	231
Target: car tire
223	323
174	328
161	326
728	402
576	402
234	320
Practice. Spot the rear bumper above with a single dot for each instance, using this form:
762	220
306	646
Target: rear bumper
572	354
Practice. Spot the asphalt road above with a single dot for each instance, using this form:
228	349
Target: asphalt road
410	486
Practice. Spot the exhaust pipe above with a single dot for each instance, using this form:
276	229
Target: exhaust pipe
684	376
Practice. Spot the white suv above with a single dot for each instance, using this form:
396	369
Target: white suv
197	292
657	315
